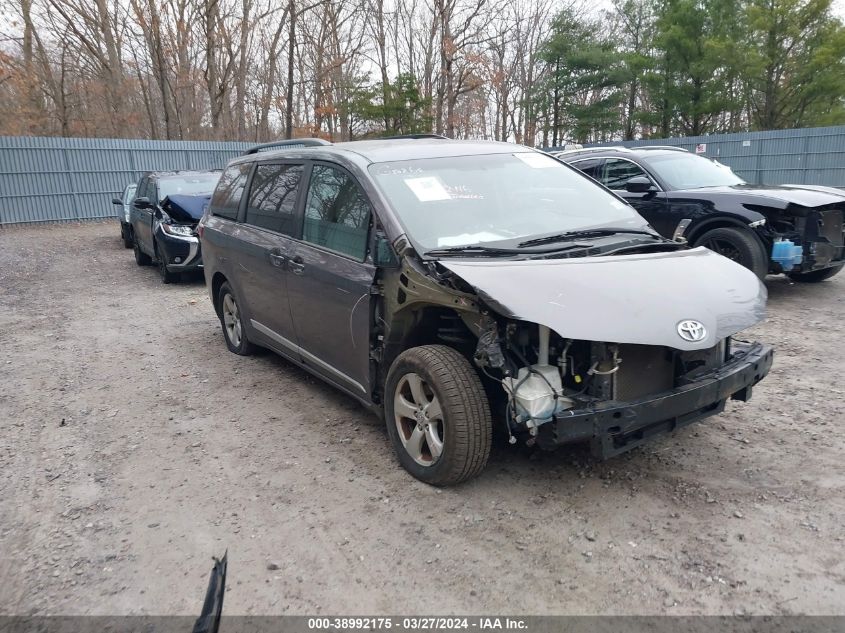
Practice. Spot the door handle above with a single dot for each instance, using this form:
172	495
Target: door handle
296	265
277	260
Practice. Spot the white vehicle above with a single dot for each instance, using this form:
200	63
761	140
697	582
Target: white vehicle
125	204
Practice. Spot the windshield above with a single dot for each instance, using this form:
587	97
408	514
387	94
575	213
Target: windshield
680	170
187	185
465	200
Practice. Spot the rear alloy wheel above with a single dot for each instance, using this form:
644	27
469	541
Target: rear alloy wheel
167	277
233	327
738	245
437	414
815	276
141	258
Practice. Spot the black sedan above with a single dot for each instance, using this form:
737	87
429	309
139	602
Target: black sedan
792	229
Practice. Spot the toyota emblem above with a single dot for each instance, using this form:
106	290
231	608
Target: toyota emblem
692	331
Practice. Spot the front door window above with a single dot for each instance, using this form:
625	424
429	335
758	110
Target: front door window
618	171
337	215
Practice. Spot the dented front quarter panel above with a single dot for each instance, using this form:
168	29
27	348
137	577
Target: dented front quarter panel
637	299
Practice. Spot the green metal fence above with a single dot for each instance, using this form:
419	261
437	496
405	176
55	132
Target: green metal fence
71	179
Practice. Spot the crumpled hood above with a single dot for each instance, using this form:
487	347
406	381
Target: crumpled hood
775	195
186	208
623	298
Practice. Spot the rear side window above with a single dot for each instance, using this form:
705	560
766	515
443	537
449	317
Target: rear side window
272	197
227	195
617	172
337	214
591	167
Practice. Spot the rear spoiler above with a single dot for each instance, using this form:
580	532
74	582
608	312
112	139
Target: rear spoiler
292	143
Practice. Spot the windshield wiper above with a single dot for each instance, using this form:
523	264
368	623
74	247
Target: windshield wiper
471	250
586	233
477	249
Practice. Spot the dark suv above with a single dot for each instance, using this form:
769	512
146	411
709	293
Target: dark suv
163	219
454	286
792	229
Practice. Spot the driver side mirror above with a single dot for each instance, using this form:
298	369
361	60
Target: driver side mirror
142	203
117	201
640	184
384	255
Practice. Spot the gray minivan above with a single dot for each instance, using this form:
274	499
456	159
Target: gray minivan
457	287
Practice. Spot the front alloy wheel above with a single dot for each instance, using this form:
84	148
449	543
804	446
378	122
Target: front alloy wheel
437	415
419	419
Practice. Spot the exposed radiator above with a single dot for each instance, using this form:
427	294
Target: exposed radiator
645	370
831	226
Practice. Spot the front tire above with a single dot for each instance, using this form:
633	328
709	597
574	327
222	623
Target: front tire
815	276
738	245
231	320
167	277
438	416
141	258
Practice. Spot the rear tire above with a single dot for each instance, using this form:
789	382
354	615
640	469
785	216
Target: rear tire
815	276
738	245
231	319
141	258
438	416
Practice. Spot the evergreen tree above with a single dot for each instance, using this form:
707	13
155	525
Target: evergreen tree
795	68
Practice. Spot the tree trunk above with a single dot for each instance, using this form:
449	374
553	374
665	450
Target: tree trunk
291	51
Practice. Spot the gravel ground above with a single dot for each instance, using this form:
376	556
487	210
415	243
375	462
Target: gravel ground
135	447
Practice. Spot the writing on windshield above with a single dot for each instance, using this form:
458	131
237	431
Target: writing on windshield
464	200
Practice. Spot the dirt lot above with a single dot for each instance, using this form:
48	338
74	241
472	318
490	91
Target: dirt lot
134	447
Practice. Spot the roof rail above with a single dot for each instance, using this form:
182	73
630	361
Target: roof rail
291	143
611	148
671	147
414	136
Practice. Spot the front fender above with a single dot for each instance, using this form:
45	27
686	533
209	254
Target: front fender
698	228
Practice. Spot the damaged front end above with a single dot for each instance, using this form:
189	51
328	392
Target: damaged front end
806	239
176	231
588	349
614	396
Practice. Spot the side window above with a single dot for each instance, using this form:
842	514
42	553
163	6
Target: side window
617	172
337	214
272	197
227	195
591	167
142	187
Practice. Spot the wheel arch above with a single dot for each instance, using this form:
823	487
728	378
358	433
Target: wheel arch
723	222
217	282
426	325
